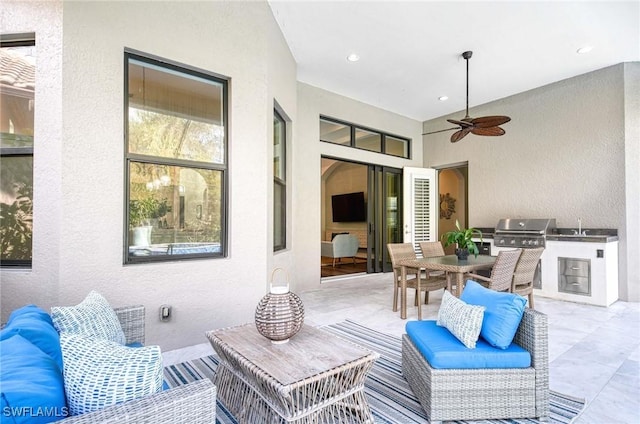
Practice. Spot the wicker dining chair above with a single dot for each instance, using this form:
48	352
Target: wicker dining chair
432	249
400	251
524	273
501	273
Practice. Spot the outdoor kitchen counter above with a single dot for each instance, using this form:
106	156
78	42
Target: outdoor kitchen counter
592	235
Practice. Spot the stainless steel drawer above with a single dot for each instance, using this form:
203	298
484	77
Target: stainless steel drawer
574	276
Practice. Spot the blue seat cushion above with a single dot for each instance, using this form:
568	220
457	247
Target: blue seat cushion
443	350
36	326
32	384
502	315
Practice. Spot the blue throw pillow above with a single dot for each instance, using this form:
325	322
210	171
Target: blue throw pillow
32	384
36	326
502	315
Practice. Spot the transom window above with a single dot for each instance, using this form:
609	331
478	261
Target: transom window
17	111
176	161
352	135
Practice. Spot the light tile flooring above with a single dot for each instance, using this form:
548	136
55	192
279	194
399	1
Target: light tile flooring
594	351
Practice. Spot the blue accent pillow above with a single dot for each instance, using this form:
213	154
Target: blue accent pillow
502	315
32	384
36	326
443	350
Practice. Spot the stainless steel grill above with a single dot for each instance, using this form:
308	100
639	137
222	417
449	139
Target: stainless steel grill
523	233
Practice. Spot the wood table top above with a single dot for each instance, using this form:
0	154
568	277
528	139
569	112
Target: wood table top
310	352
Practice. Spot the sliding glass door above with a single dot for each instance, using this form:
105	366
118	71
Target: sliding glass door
384	215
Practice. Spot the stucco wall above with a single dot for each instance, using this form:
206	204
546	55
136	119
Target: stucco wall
632	179
562	157
79	157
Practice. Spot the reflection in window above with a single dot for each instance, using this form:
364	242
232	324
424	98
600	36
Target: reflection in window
176	162
17	100
368	140
334	132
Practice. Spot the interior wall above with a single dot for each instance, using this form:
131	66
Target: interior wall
453	182
79	157
561	157
342	177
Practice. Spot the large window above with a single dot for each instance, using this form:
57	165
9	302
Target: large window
176	161
17	107
279	182
338	132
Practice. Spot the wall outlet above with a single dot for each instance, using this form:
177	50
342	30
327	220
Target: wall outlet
165	313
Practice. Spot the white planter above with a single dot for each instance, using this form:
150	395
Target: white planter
141	236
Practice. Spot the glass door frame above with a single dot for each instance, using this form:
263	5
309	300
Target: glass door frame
382	209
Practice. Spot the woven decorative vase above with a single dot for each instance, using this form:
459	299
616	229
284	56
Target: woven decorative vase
280	314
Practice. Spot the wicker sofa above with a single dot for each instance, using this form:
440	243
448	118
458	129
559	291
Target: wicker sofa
476	394
191	403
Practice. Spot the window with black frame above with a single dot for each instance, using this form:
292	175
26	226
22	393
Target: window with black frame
279	182
176	161
338	132
17	112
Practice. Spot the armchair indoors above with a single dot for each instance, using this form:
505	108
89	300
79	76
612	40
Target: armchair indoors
342	246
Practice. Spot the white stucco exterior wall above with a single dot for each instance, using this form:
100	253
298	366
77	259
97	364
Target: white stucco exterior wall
79	153
563	156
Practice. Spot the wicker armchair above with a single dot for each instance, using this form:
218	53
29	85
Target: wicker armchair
478	394
191	403
522	283
416	281
501	273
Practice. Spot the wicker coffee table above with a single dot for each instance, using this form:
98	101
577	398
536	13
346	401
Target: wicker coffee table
314	378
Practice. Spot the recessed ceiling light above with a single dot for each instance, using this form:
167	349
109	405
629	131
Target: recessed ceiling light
585	49
353	57
443	98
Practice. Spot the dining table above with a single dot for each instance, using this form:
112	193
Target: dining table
450	264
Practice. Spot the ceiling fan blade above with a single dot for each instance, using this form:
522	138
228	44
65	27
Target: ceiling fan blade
439	131
491	131
489	121
466	122
459	135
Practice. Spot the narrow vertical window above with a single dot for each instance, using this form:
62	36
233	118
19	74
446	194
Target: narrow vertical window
17	107
176	161
279	182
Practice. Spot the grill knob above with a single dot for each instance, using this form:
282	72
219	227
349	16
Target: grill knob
535	242
513	242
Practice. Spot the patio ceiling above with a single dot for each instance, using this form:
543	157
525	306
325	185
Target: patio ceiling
410	51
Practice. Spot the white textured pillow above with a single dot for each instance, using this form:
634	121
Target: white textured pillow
93	317
463	320
99	373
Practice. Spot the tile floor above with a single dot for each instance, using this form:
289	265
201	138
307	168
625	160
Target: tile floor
594	351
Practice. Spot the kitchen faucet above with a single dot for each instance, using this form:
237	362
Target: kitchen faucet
579	232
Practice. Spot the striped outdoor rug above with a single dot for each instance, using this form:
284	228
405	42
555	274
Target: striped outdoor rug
389	396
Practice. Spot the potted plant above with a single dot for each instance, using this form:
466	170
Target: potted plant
141	213
462	238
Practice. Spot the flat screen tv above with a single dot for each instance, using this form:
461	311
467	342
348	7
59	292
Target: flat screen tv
349	207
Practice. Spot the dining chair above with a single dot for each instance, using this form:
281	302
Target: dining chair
431	249
501	275
400	251
524	273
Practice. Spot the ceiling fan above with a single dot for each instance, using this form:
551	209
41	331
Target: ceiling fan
485	125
